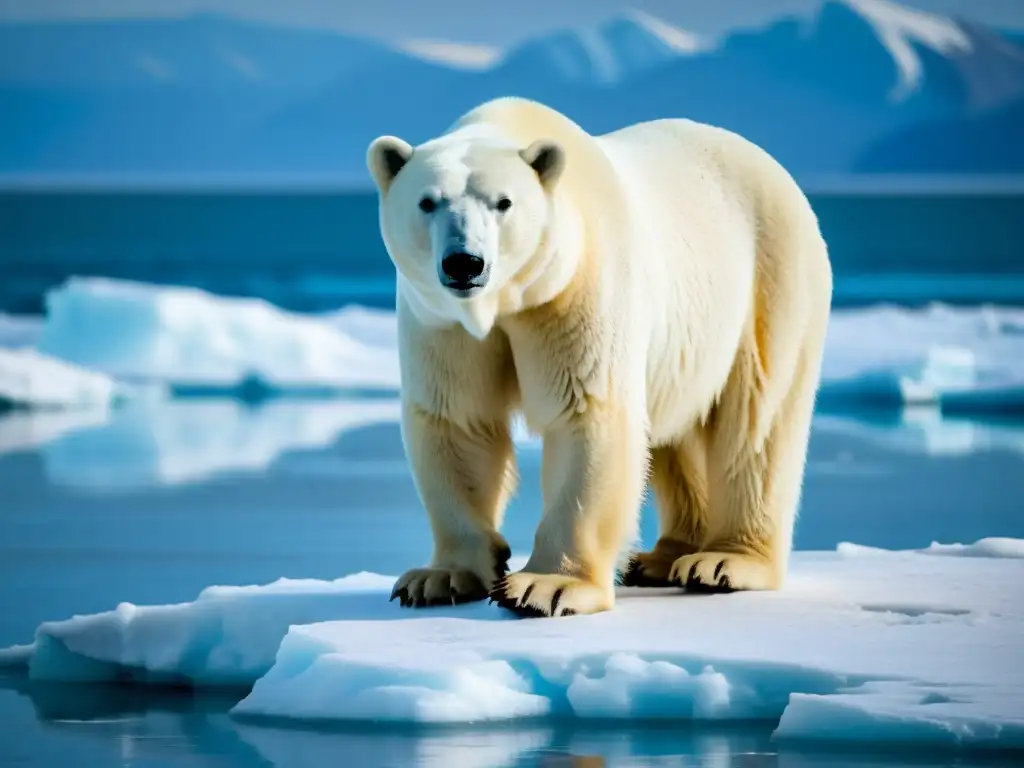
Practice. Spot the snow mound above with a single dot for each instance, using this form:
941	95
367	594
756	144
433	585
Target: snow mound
189	338
964	360
861	646
29	379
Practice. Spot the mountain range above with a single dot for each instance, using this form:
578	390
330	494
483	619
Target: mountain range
860	86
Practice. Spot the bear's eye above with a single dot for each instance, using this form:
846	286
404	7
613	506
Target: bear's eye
427	205
504	204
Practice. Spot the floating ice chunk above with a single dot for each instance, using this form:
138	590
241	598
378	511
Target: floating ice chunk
228	635
18	331
963	359
190	338
377	328
16	656
991	547
929	662
29	379
861	645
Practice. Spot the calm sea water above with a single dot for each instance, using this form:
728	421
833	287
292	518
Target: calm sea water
316	249
162	501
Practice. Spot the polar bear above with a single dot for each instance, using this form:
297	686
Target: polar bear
652	301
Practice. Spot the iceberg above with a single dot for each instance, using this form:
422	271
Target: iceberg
31	380
199	343
917	647
18	331
962	360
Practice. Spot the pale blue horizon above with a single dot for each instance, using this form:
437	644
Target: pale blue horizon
464	21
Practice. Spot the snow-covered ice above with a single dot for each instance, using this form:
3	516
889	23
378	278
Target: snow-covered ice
187	337
29	379
862	645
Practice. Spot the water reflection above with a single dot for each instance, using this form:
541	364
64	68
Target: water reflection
124	725
28	430
182	442
144	728
926	431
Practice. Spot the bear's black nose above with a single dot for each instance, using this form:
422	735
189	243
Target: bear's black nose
462	268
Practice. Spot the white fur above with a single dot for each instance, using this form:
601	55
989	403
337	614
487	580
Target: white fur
669	290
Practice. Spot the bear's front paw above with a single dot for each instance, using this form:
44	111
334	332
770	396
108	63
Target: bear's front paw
723	572
448	585
647	570
534	595
652	569
438	586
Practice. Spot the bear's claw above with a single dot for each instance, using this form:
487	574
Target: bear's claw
523	608
635	575
433	586
454	597
721	572
502	554
720	583
437	586
532	595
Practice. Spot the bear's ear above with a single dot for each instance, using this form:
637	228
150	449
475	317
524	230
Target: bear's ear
386	156
547	158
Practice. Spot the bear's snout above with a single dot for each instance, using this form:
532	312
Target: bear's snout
462	272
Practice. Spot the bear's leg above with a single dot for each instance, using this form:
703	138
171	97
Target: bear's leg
755	489
465	476
679	477
593	476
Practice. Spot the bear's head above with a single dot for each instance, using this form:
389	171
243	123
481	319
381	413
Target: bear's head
463	216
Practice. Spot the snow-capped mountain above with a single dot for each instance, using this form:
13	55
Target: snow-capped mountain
607	54
830	92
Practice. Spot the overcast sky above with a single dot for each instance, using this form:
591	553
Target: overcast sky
491	22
